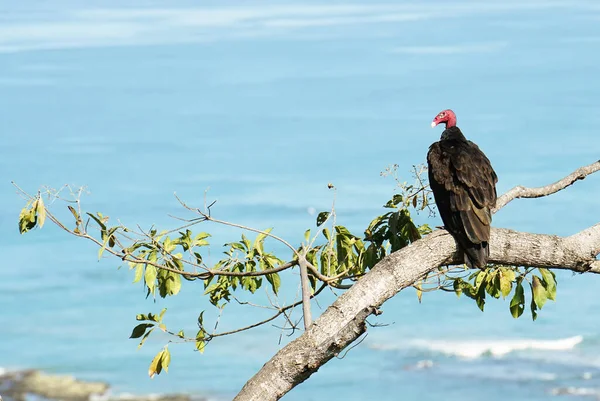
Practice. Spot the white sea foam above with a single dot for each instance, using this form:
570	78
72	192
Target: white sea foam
580	391
497	348
423	364
478	348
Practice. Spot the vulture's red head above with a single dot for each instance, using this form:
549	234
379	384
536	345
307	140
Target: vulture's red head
447	117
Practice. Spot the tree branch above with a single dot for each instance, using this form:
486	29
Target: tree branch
305	286
344	321
523	192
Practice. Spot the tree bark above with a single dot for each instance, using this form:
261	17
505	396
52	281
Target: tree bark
344	321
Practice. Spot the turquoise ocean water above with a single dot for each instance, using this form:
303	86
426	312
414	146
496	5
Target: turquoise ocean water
265	103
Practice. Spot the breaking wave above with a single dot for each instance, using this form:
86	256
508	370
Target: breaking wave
577	391
422	364
496	348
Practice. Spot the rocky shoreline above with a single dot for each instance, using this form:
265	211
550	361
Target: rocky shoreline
18	385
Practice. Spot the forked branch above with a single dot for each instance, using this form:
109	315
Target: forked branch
524	192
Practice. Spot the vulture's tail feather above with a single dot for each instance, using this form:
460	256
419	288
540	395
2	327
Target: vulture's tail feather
476	255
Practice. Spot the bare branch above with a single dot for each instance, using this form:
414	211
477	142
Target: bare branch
305	290
208	217
279	312
523	192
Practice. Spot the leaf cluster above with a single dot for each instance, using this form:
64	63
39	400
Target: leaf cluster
33	214
500	281
345	255
246	260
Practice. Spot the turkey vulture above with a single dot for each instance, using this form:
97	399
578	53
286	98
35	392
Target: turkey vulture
464	187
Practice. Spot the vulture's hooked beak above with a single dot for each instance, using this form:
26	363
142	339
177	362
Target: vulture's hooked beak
433	124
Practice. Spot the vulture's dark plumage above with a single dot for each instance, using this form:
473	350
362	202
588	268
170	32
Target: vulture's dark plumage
464	187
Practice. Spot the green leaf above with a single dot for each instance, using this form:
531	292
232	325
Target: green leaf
250	283
480	279
508	273
260	239
480	299
275	281
185	240
27	218
493	284
181	334
539	292
322	218
166	359
200	239
145	337
111	237
505	284
424	229
237	245
173	283
419	291
156	365
161	314
517	303
139	272
169	245
97	220
375	230
396	200
150	277
102	248
200	343
329	262
457	285
550	283
201	319
169	283
306	235
41	212
533	310
75	214
246	242
139	330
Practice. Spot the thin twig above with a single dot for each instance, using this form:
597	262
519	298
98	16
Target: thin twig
281	311
524	192
208	217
